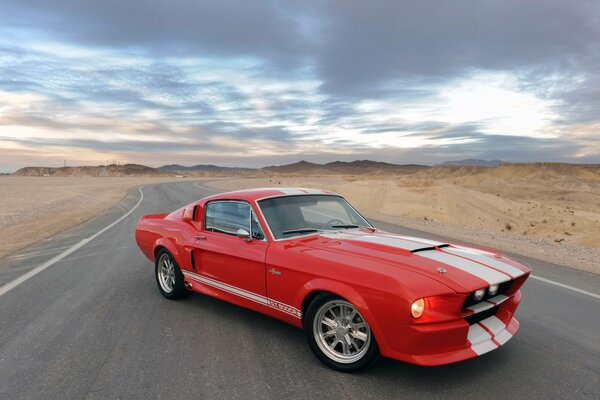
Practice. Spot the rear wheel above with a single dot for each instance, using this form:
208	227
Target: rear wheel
169	277
339	335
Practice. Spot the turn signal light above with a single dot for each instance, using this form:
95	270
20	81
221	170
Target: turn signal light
417	308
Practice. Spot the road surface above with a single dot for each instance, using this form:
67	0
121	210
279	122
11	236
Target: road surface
89	323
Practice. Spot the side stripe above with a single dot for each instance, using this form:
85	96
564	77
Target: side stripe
257	298
483	272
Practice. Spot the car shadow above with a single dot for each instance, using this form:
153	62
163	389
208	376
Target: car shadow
276	334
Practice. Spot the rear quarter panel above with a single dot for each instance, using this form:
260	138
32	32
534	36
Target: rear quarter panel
153	232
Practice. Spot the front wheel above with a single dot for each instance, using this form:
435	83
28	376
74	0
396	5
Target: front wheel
339	335
169	277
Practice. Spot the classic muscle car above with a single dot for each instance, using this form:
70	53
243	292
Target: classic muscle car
307	257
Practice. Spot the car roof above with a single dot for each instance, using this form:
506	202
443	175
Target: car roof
262	193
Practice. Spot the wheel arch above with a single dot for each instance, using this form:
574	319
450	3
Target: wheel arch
165	244
314	288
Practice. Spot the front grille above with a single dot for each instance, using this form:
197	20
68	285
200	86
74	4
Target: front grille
475	318
503	288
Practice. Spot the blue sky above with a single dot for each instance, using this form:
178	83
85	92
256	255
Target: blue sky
254	83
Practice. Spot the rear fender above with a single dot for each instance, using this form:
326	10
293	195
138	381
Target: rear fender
170	246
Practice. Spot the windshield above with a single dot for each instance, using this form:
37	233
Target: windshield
300	215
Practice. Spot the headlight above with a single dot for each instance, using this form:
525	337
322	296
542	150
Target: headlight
493	290
478	295
417	308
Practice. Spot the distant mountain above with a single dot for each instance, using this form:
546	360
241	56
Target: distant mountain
470	162
341	167
201	167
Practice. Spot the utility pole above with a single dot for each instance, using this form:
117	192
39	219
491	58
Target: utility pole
65	163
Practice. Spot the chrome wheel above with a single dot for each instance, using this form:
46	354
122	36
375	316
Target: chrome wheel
166	273
341	332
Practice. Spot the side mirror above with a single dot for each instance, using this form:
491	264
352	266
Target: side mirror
243	234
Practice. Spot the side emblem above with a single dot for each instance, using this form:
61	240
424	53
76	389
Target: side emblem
442	270
274	271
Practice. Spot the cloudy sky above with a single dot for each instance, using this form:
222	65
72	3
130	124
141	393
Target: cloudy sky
253	83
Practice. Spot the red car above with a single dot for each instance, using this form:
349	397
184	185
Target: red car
307	257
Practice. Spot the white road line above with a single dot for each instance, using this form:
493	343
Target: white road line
562	285
16	282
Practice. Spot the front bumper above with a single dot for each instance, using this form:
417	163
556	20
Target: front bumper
448	342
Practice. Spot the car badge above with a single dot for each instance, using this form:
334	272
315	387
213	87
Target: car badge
498	255
442	270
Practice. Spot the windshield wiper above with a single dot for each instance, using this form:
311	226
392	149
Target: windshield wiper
345	226
300	230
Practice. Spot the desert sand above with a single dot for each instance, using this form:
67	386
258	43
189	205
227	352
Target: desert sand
32	209
546	212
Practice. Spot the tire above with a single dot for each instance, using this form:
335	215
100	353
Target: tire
328	313
169	277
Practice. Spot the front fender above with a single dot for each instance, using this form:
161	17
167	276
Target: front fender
346	292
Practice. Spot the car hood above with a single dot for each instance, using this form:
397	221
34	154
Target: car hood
462	268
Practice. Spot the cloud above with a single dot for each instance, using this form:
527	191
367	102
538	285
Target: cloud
270	80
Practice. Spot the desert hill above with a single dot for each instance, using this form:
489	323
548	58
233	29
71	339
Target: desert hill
202	167
474	162
112	170
341	167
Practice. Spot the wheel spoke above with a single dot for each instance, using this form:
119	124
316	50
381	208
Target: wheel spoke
345	348
352	315
329	333
329	322
360	336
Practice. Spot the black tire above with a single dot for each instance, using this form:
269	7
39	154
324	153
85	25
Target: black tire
174	289
365	356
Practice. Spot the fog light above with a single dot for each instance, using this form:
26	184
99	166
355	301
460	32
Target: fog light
478	295
493	290
417	308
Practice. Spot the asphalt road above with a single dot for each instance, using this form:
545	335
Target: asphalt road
93	325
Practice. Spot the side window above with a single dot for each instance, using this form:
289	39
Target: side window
227	217
257	232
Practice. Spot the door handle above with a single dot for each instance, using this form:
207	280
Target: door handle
200	237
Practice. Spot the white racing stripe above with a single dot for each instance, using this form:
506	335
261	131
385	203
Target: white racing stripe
494	325
16	282
257	298
479	307
487	274
385	240
485	258
482	341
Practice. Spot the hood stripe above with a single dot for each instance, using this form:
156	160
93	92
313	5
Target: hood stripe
386	240
486	258
490	275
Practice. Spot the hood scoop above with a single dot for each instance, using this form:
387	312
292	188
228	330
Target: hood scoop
441	246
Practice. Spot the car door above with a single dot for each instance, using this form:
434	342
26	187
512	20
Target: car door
232	263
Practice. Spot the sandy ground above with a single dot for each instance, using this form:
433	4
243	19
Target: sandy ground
32	209
553	219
